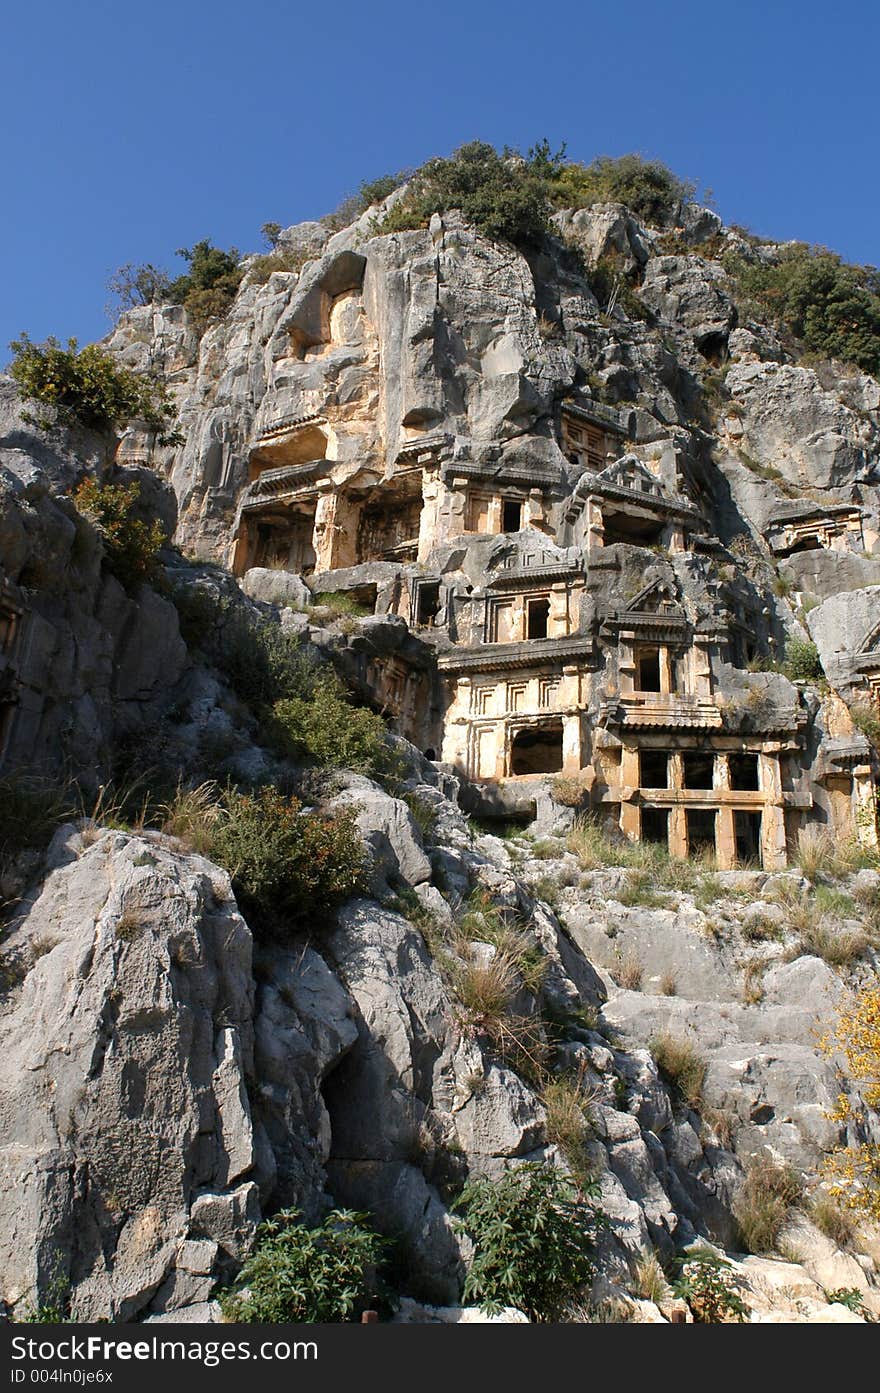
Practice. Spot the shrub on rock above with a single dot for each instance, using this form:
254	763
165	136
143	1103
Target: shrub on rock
534	1234
301	1275
286	864
87	387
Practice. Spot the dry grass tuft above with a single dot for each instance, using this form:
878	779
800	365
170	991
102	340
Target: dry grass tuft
682	1066
629	971
769	1192
831	1219
192	814
649	1280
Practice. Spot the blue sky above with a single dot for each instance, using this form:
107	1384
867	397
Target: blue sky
131	131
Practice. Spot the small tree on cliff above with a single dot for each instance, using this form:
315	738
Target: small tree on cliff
853	1172
87	387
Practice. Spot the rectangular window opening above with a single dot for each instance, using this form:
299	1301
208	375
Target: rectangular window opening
653	769
537	616
511	515
744	773
648	670
700	831
537	750
698	769
428	604
747	831
655	825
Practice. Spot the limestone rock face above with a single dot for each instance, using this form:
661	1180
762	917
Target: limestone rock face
93	663
842	627
123	1095
694	294
557	515
791	423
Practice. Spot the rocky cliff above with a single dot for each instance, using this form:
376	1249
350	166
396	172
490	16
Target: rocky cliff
572	532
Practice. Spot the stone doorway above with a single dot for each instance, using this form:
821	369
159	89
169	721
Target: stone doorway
537	749
655	825
747	833
700	831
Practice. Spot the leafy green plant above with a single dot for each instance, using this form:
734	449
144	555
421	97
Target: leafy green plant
89	388
833	307
303	1275
209	287
802	661
533	1234
327	728
131	544
707	1283
287	865
850	1297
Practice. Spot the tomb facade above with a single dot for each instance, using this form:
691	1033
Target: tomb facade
565	613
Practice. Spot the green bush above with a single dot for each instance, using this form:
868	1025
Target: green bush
131	545
210	285
802	661
646	187
304	1275
87	387
708	1284
286	865
510	196
325	727
833	307
261	663
503	196
533	1234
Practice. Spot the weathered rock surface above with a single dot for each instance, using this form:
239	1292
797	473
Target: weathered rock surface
123	1085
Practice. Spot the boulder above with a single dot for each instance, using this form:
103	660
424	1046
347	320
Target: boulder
392	839
281	588
122	1085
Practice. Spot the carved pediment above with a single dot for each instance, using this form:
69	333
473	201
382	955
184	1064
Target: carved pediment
656	598
629	472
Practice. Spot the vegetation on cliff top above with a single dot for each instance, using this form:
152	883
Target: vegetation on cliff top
511	196
832	307
87	387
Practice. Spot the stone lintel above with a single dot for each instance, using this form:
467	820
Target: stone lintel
534	653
